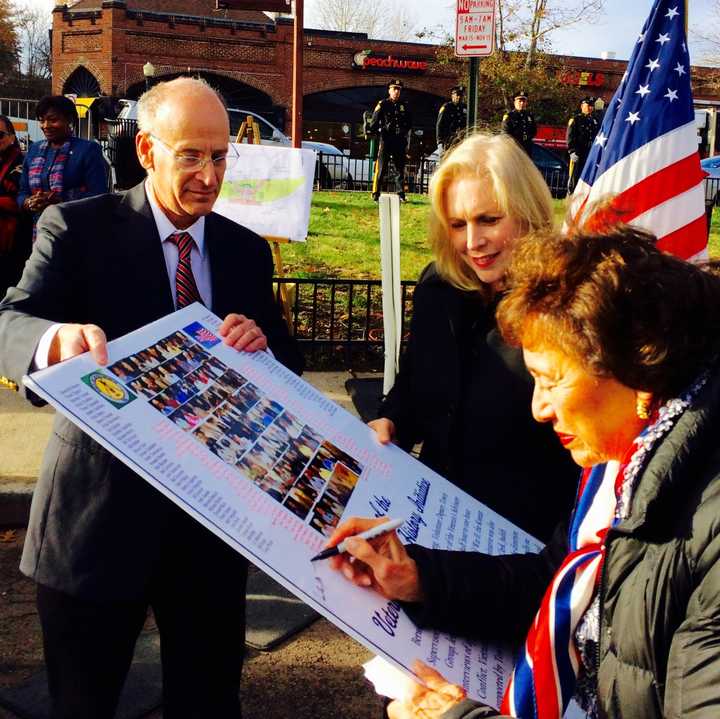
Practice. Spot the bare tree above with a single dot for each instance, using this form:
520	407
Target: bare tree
708	34
549	15
33	25
527	24
380	19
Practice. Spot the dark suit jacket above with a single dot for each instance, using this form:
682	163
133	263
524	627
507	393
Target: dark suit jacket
96	528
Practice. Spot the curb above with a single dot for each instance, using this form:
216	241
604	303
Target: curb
15	498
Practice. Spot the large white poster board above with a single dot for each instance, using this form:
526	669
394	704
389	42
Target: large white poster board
269	190
267	463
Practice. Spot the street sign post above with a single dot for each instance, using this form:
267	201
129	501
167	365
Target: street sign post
475	28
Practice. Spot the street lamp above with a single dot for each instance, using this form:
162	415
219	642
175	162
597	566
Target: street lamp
149	73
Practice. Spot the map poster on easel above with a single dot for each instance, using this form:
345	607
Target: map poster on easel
269	190
267	463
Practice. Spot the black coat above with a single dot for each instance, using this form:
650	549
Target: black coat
520	124
659	587
451	123
465	395
97	530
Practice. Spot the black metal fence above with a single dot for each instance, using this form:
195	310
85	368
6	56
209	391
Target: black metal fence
338	172
557	181
712	198
339	323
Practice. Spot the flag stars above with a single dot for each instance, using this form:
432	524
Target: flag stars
672	13
600	139
680	69
641	37
644	90
653	64
671	95
633	117
662	39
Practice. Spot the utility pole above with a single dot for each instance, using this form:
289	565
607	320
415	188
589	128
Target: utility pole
297	83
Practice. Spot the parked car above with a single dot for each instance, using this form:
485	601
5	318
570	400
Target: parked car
553	168
711	165
332	171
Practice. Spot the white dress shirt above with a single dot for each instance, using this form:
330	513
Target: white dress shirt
199	260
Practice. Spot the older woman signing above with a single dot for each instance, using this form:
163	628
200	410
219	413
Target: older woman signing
622	608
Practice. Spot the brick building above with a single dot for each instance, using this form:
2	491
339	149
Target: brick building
600	77
101	46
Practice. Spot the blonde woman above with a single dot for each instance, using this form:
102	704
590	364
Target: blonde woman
461	390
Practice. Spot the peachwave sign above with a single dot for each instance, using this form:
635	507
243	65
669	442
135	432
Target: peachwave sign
368	60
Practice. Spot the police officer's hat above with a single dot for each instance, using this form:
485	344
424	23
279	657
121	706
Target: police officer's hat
395	83
459	89
587	100
520	95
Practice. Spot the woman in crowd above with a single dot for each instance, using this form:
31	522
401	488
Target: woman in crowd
62	167
461	390
623	343
11	249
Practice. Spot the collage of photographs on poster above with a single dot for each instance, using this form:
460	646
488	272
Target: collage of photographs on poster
284	457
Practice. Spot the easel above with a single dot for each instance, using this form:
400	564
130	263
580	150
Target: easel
250	130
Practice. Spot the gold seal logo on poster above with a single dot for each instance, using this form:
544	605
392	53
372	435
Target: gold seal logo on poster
109	388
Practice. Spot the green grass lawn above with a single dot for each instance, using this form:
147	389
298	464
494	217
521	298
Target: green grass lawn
344	238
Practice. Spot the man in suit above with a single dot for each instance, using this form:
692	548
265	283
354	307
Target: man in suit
102	544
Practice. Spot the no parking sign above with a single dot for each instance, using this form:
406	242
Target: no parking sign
475	28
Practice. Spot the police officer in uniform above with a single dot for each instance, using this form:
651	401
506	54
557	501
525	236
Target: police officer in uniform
520	123
392	120
452	119
581	131
599	111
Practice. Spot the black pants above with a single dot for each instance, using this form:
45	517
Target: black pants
198	598
575	169
394	148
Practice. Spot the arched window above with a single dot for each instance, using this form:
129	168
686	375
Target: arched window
82	83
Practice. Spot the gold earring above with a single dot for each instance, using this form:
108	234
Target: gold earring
642	407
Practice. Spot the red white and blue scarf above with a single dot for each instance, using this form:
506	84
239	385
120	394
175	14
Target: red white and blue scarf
543	682
545	676
55	176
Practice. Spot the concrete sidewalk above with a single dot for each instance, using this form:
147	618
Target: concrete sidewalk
24	431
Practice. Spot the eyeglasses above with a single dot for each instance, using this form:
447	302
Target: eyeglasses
195	162
4	134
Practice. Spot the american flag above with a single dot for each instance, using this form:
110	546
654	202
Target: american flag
645	155
204	335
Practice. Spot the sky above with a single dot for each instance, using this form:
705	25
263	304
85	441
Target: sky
616	32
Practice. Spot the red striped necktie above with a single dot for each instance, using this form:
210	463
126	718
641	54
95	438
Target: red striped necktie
185	285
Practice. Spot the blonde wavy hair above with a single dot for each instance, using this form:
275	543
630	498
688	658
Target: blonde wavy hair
518	187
